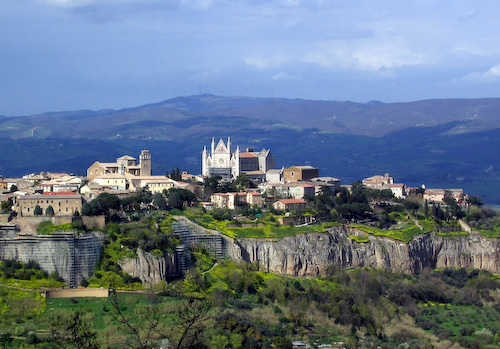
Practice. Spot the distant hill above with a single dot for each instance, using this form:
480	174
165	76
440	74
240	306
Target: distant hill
442	143
182	117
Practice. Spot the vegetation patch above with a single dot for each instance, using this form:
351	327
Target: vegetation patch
270	228
453	233
47	227
405	234
359	239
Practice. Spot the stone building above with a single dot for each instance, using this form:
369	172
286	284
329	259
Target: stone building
289	204
376	182
300	173
63	205
223	162
124	164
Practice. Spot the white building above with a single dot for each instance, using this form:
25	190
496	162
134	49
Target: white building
223	162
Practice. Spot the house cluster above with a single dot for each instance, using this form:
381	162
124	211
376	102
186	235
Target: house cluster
401	191
65	194
289	188
281	188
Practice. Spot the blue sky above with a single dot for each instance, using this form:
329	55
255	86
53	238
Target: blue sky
97	54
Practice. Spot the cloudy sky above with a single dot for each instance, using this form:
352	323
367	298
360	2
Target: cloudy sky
97	54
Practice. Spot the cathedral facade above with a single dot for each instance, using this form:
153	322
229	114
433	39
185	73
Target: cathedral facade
221	161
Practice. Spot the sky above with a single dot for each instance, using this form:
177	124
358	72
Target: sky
60	55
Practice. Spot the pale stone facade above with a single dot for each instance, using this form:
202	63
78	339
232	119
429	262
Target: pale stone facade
227	164
124	164
378	181
290	190
232	201
63	205
116	181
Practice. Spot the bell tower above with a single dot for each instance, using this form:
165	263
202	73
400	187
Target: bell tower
145	163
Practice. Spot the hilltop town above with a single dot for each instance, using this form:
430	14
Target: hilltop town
259	184
241	235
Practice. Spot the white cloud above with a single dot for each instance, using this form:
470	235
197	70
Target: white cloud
491	74
265	61
197	4
365	54
285	76
67	3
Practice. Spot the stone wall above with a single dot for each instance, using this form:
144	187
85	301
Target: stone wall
73	256
78	292
98	222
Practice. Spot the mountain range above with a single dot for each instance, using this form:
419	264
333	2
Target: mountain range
442	143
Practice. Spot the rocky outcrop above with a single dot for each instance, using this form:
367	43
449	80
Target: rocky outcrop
149	268
313	254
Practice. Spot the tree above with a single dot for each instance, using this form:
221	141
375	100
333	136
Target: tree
147	323
242	182
474	200
139	329
37	211
72	331
412	206
6	205
212	183
177	198
49	211
159	201
101	205
190	323
175	201
13	188
175	174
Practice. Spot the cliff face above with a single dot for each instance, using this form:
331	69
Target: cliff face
314	253
149	268
73	256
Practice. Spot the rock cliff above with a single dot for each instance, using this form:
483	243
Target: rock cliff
314	253
149	268
72	255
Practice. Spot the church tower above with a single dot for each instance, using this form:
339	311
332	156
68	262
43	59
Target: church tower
145	163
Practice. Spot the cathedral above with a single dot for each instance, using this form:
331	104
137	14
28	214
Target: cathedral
221	161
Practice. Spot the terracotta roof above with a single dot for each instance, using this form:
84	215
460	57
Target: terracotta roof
247	155
434	191
292	201
42	197
396	185
126	157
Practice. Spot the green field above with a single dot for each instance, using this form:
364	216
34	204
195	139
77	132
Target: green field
466	323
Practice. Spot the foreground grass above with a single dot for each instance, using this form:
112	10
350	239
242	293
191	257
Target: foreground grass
18	307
